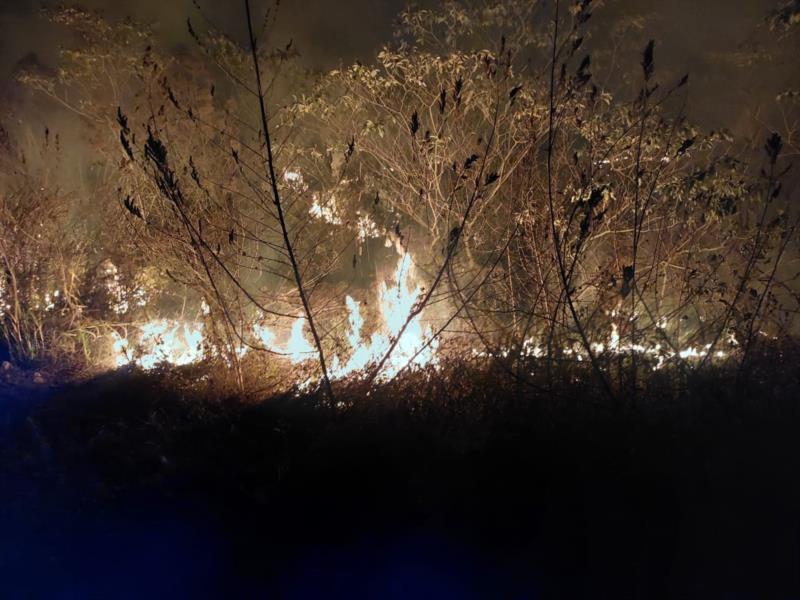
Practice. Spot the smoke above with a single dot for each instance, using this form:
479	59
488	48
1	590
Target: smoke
736	63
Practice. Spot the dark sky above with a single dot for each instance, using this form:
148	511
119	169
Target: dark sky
706	38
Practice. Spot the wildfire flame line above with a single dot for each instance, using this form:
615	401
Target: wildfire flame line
182	342
179	342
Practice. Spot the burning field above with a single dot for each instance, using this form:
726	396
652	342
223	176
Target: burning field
181	341
502	298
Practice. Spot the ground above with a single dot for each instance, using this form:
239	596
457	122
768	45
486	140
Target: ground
119	487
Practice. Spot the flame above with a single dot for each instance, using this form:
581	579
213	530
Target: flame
160	341
297	348
396	302
119	350
614	347
180	342
614	342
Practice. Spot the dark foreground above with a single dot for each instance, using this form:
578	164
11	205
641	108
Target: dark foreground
121	488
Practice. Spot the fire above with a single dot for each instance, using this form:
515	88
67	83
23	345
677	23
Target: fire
298	348
183	342
395	302
160	341
416	345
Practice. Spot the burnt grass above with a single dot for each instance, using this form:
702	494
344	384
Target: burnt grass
463	484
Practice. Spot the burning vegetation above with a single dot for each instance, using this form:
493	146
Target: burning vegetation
493	287
244	211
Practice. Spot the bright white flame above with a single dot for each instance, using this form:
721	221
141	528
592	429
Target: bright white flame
396	303
613	344
119	350
292	177
265	336
180	342
367	228
328	211
298	348
160	341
